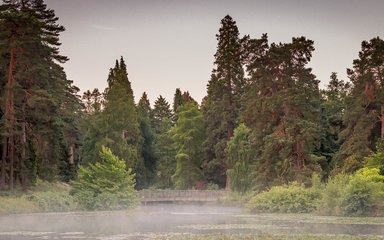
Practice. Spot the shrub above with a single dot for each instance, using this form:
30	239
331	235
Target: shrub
106	185
332	195
52	201
292	198
364	193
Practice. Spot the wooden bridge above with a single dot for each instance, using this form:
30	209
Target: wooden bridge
152	196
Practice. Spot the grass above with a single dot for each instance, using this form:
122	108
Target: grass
263	237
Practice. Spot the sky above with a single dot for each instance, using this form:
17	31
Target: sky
169	44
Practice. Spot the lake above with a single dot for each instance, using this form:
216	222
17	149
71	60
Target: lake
146	222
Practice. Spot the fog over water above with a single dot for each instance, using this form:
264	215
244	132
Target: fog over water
147	222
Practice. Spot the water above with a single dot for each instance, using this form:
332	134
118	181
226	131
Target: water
164	219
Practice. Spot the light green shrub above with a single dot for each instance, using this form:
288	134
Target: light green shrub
106	185
332	195
364	194
50	201
292	198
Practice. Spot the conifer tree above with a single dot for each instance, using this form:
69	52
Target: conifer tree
40	101
148	136
117	126
164	146
332	111
364	115
222	104
282	109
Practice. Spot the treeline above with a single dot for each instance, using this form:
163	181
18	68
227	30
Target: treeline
39	107
263	122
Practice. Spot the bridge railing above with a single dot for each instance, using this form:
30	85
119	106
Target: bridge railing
181	195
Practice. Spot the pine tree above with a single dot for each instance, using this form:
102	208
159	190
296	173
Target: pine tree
364	114
282	109
148	136
40	100
164	146
222	105
161	113
332	111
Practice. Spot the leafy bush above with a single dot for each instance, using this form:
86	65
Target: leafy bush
364	193
52	201
332	195
106	185
360	194
292	198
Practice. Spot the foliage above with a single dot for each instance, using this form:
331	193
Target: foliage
364	112
282	109
332	195
53	201
364	193
223	101
39	111
332	112
240	160
116	126
106	184
292	198
188	135
376	160
163	143
148	140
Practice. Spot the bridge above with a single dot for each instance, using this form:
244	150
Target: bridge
153	196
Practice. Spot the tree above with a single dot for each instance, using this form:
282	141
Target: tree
241	160
38	133
164	149
188	135
148	136
161	112
364	114
105	185
332	111
282	109
117	126
222	104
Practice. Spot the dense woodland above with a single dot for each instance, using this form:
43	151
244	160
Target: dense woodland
264	121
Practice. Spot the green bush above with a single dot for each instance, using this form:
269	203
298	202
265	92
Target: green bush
364	194
292	198
332	195
106	185
50	201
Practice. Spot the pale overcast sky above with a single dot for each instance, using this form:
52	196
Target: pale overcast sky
169	44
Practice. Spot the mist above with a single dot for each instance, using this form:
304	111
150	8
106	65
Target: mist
159	220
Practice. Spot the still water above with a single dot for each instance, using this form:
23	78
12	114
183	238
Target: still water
163	219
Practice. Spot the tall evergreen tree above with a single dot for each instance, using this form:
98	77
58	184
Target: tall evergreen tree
164	146
148	136
39	100
364	115
332	111
222	105
282	109
117	126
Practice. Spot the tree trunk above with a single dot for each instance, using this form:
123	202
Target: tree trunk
382	121
3	161
10	117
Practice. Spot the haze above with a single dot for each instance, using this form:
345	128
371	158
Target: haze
170	44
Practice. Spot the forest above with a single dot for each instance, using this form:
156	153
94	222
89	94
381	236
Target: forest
263	123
